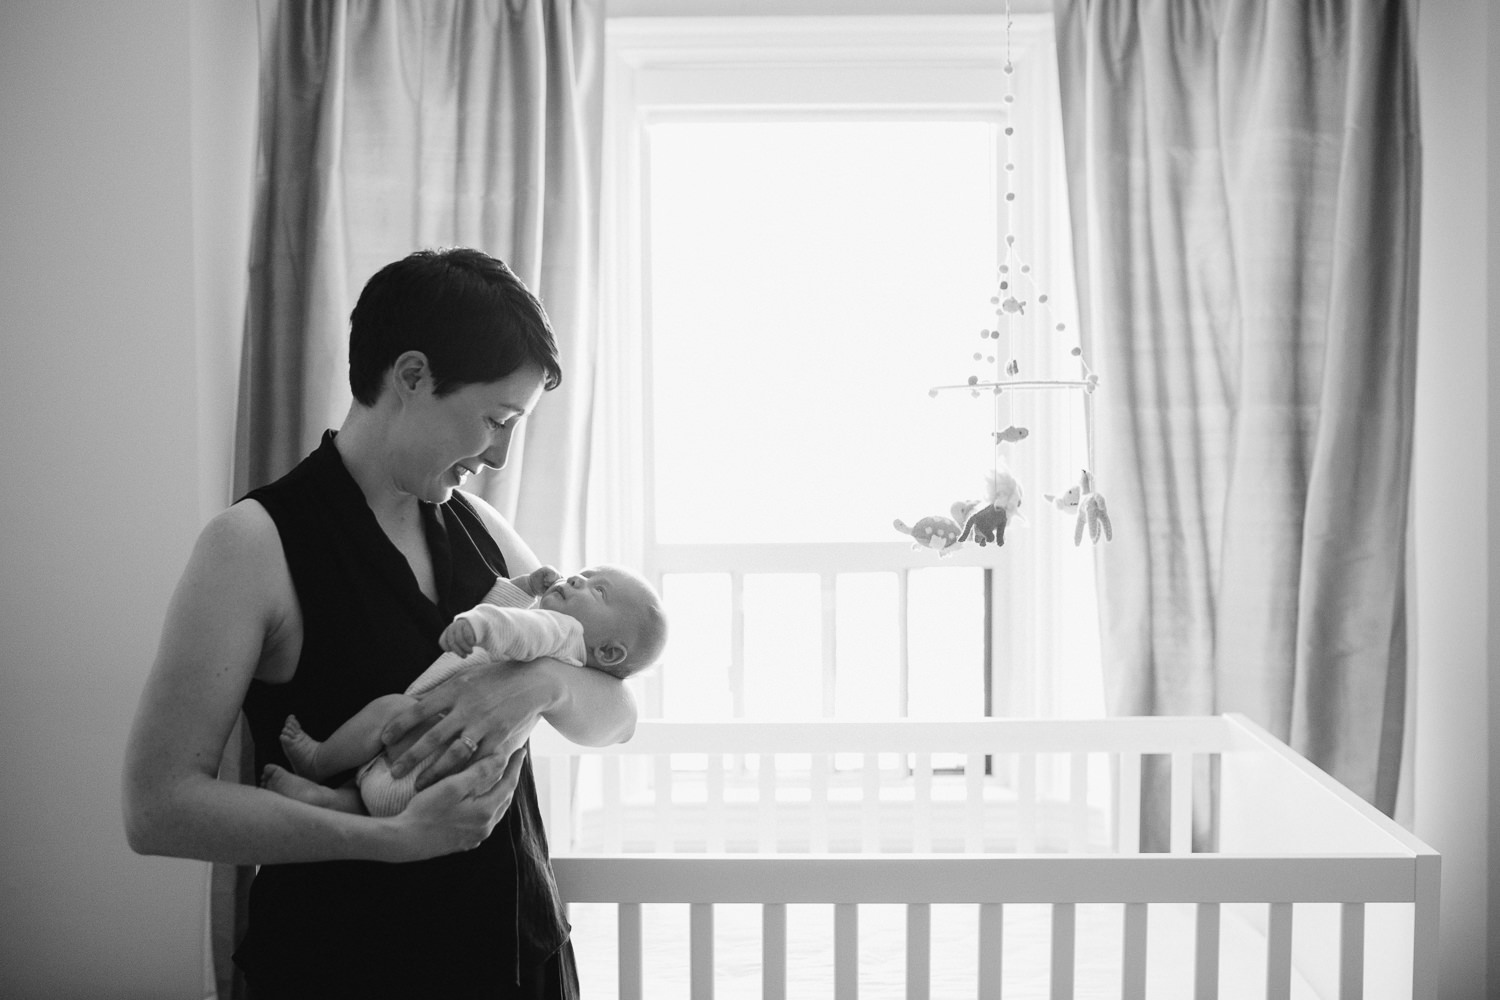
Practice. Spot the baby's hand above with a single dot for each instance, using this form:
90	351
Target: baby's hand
458	638
539	579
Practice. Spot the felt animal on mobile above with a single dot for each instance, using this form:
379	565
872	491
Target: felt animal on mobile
1088	504
1003	490
1011	433
1066	502
1091	510
986	524
932	532
985	521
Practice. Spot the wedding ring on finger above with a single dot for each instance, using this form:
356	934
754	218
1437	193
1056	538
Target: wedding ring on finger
473	747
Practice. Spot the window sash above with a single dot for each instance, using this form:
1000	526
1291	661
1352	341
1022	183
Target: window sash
709	68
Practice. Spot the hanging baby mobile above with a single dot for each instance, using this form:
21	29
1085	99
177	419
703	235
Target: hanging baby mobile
1023	327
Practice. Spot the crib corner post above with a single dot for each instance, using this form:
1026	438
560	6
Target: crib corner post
1425	956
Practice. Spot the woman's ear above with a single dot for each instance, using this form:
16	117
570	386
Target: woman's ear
408	373
610	654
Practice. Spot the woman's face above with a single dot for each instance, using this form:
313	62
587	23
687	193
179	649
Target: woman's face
446	439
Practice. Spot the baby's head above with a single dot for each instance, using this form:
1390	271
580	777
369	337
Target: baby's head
624	627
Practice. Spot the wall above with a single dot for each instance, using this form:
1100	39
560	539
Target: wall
1458	432
103	482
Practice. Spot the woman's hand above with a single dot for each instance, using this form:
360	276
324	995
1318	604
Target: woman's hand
459	812
480	715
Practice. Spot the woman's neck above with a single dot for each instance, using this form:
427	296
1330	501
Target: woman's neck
364	446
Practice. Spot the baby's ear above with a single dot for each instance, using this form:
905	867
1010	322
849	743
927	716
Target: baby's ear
611	654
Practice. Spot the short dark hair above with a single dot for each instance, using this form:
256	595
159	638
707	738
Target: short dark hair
465	310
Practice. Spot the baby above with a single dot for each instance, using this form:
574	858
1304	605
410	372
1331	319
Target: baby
605	618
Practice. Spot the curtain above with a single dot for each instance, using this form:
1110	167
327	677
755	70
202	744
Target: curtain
1243	180
391	126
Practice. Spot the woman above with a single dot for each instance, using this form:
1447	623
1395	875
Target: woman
331	586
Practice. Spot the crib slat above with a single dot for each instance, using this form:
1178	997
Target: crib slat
614	822
918	951
974	803
1133	964
1182	803
869	807
1078	802
737	643
773	951
922	803
1279	952
1026	802
903	642
1064	928
560	802
845	951
717	823
991	950
1130	804
1206	956
818	807
830	642
664	825
1352	951
767	805
629	916
701	948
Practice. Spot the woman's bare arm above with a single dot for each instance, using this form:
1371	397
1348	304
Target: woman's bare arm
231	614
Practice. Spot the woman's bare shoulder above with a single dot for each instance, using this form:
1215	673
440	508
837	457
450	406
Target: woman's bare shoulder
244	527
239	549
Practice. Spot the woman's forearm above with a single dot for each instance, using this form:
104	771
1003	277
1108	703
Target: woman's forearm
592	708
210	820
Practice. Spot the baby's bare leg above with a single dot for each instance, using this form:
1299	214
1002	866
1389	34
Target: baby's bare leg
283	782
349	746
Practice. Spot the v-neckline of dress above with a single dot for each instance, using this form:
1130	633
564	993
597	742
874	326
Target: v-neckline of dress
391	562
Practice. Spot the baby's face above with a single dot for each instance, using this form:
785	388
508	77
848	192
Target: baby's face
604	601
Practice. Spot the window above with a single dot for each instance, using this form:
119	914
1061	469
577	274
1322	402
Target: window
804	220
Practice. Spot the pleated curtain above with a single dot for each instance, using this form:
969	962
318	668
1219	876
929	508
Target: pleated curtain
1243	179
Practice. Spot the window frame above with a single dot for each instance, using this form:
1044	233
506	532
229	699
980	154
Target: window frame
710	68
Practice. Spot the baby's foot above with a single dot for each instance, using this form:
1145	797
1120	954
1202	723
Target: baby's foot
300	748
283	782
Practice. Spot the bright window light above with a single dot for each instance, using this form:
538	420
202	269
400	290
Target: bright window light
810	280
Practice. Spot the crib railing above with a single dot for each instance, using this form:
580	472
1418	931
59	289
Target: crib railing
1286	835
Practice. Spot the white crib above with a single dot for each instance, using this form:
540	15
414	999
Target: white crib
994	858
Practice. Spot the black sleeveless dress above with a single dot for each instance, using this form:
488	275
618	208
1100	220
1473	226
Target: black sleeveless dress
481	923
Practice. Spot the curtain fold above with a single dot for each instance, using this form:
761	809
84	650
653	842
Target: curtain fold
393	125
1244	185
